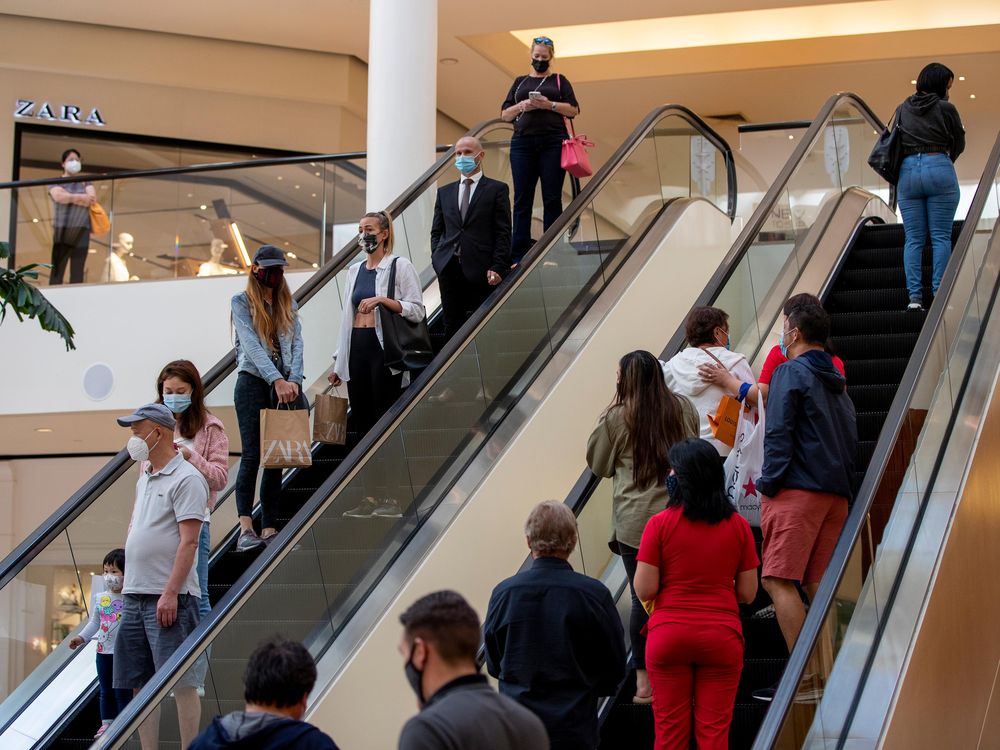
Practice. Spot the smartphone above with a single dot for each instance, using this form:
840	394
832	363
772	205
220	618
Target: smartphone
534	94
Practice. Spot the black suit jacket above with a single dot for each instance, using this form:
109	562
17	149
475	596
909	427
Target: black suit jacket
484	236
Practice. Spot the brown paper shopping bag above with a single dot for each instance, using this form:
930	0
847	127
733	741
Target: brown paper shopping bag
284	438
330	419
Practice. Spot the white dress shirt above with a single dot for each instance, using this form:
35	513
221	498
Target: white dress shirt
472	188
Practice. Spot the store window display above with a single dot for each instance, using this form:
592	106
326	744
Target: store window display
215	266
116	267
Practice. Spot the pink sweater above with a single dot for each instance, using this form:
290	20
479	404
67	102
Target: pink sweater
210	456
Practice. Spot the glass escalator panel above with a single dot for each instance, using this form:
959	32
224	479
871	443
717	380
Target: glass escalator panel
309	586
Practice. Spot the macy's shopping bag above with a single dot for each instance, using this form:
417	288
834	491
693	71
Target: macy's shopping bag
744	463
284	438
330	419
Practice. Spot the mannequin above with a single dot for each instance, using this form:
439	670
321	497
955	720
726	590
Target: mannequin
115	268
214	267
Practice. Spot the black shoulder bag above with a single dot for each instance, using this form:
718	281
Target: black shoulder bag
886	157
407	345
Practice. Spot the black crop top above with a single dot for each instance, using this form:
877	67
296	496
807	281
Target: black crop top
364	285
555	88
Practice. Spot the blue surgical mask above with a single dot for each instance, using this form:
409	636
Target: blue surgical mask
465	164
177	402
782	345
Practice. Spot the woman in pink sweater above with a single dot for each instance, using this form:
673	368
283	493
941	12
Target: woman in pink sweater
201	439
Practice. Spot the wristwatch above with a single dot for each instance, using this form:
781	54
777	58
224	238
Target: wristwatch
553	106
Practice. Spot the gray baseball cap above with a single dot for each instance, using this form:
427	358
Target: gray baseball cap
269	255
153	412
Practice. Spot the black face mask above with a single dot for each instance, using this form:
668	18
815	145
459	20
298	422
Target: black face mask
369	242
270	277
415	677
540	66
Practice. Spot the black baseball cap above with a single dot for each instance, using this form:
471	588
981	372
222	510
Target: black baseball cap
269	255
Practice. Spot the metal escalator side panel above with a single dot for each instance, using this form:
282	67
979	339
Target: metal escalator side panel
528	459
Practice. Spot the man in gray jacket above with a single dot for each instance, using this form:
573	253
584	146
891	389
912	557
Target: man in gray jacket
458	708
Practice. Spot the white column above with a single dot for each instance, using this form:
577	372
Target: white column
402	96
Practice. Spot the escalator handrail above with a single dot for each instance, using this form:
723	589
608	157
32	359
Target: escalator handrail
275	161
812	628
226	608
22	555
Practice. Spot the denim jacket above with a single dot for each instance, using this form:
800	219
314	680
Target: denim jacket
254	357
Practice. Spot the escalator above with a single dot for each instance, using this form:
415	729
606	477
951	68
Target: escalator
322	567
861	637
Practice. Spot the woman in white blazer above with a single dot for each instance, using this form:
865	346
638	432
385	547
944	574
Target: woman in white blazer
360	359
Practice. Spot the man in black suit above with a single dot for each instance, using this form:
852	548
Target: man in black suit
470	236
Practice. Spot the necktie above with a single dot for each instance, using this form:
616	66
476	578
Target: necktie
466	191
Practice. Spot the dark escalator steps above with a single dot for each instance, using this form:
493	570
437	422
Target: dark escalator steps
747	718
875	371
867	347
763	639
860	323
868	300
871	397
870	424
871	277
880	235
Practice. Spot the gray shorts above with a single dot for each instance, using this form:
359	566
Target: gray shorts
142	646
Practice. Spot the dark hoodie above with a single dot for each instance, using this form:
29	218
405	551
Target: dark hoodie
260	731
931	124
811	434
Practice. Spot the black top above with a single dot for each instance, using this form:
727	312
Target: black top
364	285
540	121
467	713
930	124
554	640
811	432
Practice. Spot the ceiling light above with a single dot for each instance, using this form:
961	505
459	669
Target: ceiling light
315	265
317	174
297	187
190	195
34	221
92	251
791	137
43	429
913	82
448	60
293	256
238	237
203	207
961	78
314	195
280	177
972	96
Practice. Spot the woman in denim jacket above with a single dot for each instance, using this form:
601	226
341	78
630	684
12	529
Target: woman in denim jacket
360	359
269	363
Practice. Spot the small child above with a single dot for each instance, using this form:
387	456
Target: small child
104	621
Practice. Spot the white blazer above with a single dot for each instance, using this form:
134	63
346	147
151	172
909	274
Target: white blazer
408	293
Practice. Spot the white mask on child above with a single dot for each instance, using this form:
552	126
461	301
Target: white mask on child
113	582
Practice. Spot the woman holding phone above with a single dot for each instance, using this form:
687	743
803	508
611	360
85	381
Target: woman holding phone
536	104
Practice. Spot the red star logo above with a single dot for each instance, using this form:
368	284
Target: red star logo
750	489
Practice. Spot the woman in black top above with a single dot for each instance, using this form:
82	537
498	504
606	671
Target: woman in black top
932	138
537	104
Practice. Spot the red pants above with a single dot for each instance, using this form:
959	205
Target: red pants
693	666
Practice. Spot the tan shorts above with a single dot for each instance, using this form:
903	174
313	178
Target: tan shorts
800	528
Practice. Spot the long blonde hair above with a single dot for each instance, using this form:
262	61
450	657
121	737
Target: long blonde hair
384	219
280	318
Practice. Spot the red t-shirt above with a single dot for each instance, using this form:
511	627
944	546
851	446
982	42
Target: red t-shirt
698	564
775	358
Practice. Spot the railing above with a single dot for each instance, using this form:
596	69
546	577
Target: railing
536	305
859	589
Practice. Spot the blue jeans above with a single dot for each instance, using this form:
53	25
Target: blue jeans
204	550
928	197
112	701
534	158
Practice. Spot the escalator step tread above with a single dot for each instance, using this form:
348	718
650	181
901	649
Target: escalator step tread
864	347
871	397
853	323
874	278
875	302
875	371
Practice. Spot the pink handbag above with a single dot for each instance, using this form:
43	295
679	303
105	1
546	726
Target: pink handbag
575	159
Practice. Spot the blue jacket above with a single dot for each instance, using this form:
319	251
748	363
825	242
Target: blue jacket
259	731
254	357
811	435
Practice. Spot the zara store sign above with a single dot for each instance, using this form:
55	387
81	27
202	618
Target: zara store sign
66	113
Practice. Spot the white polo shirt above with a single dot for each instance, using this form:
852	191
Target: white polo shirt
178	492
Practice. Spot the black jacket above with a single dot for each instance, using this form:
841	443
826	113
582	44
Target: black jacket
484	236
929	123
554	640
260	731
811	435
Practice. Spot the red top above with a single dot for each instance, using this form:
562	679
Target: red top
775	358
698	564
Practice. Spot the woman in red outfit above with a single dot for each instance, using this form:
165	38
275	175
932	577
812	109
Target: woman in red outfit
697	558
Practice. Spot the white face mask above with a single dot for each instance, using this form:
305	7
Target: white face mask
113	582
73	166
138	449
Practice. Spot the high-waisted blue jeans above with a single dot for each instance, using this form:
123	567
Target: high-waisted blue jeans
928	197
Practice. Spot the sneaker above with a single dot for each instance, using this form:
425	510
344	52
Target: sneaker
388	508
364	510
915	306
268	539
767	613
249	541
810	691
103	729
765	694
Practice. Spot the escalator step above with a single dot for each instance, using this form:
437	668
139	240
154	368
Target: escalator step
747	718
876	235
871	397
875	371
763	639
870	424
851	323
890	345
875	257
866	448
759	673
874	278
868	300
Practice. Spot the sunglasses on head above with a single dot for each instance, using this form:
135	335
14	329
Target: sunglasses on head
542	40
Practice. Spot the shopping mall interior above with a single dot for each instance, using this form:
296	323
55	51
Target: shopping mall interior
729	146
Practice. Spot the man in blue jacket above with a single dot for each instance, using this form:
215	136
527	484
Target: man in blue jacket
810	445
